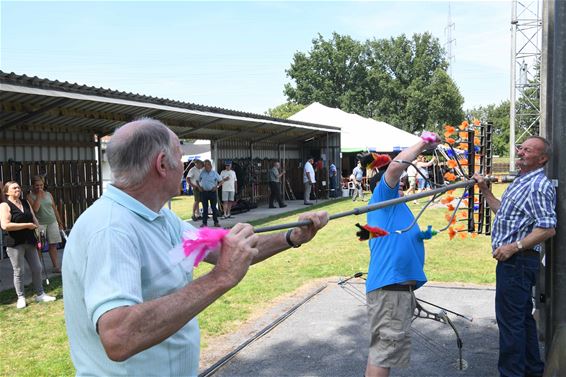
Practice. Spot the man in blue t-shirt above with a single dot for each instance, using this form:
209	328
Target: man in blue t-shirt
395	270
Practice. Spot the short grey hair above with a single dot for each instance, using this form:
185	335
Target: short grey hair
547	147
130	156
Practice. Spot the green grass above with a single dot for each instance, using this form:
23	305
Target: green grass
33	340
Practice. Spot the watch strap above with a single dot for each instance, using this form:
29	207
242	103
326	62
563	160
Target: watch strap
288	239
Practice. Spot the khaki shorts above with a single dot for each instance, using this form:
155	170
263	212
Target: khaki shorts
413	182
228	196
52	232
389	315
196	194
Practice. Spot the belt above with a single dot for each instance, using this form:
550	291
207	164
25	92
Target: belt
398	287
208	191
528	253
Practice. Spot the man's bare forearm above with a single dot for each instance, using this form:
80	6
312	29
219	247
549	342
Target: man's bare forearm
395	169
268	245
129	330
492	201
538	235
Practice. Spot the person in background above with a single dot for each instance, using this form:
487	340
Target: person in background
274	183
229	188
18	219
209	181
50	222
358	174
412	177
423	165
308	180
193	176
333	177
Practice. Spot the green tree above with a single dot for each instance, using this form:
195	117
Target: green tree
331	73
285	110
499	116
399	80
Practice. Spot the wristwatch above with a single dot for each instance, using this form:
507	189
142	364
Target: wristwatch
288	239
519	246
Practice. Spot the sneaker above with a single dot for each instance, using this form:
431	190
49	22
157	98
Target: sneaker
283	206
44	298
21	303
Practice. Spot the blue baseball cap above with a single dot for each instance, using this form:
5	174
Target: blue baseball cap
227	162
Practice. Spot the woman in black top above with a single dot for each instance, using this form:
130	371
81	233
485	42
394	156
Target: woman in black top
17	218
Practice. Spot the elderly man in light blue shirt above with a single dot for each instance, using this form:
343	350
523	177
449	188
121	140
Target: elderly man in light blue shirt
129	309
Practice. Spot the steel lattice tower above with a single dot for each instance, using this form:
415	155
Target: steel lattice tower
526	47
450	41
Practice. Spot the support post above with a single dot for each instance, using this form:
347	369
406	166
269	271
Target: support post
99	163
512	98
556	133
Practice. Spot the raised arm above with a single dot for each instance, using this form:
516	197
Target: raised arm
492	201
396	169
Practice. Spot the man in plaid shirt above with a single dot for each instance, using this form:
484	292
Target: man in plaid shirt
524	218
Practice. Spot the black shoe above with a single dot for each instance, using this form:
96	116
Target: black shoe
283	206
203	225
272	207
217	225
195	218
309	203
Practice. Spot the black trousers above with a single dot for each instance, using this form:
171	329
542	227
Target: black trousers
205	197
275	194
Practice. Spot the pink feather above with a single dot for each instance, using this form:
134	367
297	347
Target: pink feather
429	137
204	241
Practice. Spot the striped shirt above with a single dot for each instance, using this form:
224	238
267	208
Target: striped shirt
527	203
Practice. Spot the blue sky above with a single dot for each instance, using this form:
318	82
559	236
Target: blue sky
234	54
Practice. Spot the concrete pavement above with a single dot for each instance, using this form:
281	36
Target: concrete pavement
328	336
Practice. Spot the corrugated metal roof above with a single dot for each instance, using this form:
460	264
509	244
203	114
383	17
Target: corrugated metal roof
41	104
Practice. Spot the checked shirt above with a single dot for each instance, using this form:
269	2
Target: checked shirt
527	203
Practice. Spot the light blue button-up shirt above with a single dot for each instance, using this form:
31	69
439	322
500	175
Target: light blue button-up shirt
117	255
208	180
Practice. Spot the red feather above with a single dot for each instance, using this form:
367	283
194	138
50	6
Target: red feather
379	160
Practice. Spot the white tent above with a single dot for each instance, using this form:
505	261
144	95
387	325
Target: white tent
358	133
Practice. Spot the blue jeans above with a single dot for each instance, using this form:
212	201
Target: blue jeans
518	342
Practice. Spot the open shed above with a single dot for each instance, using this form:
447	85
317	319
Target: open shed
55	128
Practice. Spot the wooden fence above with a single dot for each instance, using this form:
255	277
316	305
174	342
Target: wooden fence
73	184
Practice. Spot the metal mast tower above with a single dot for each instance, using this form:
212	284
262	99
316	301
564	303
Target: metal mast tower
450	41
526	46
